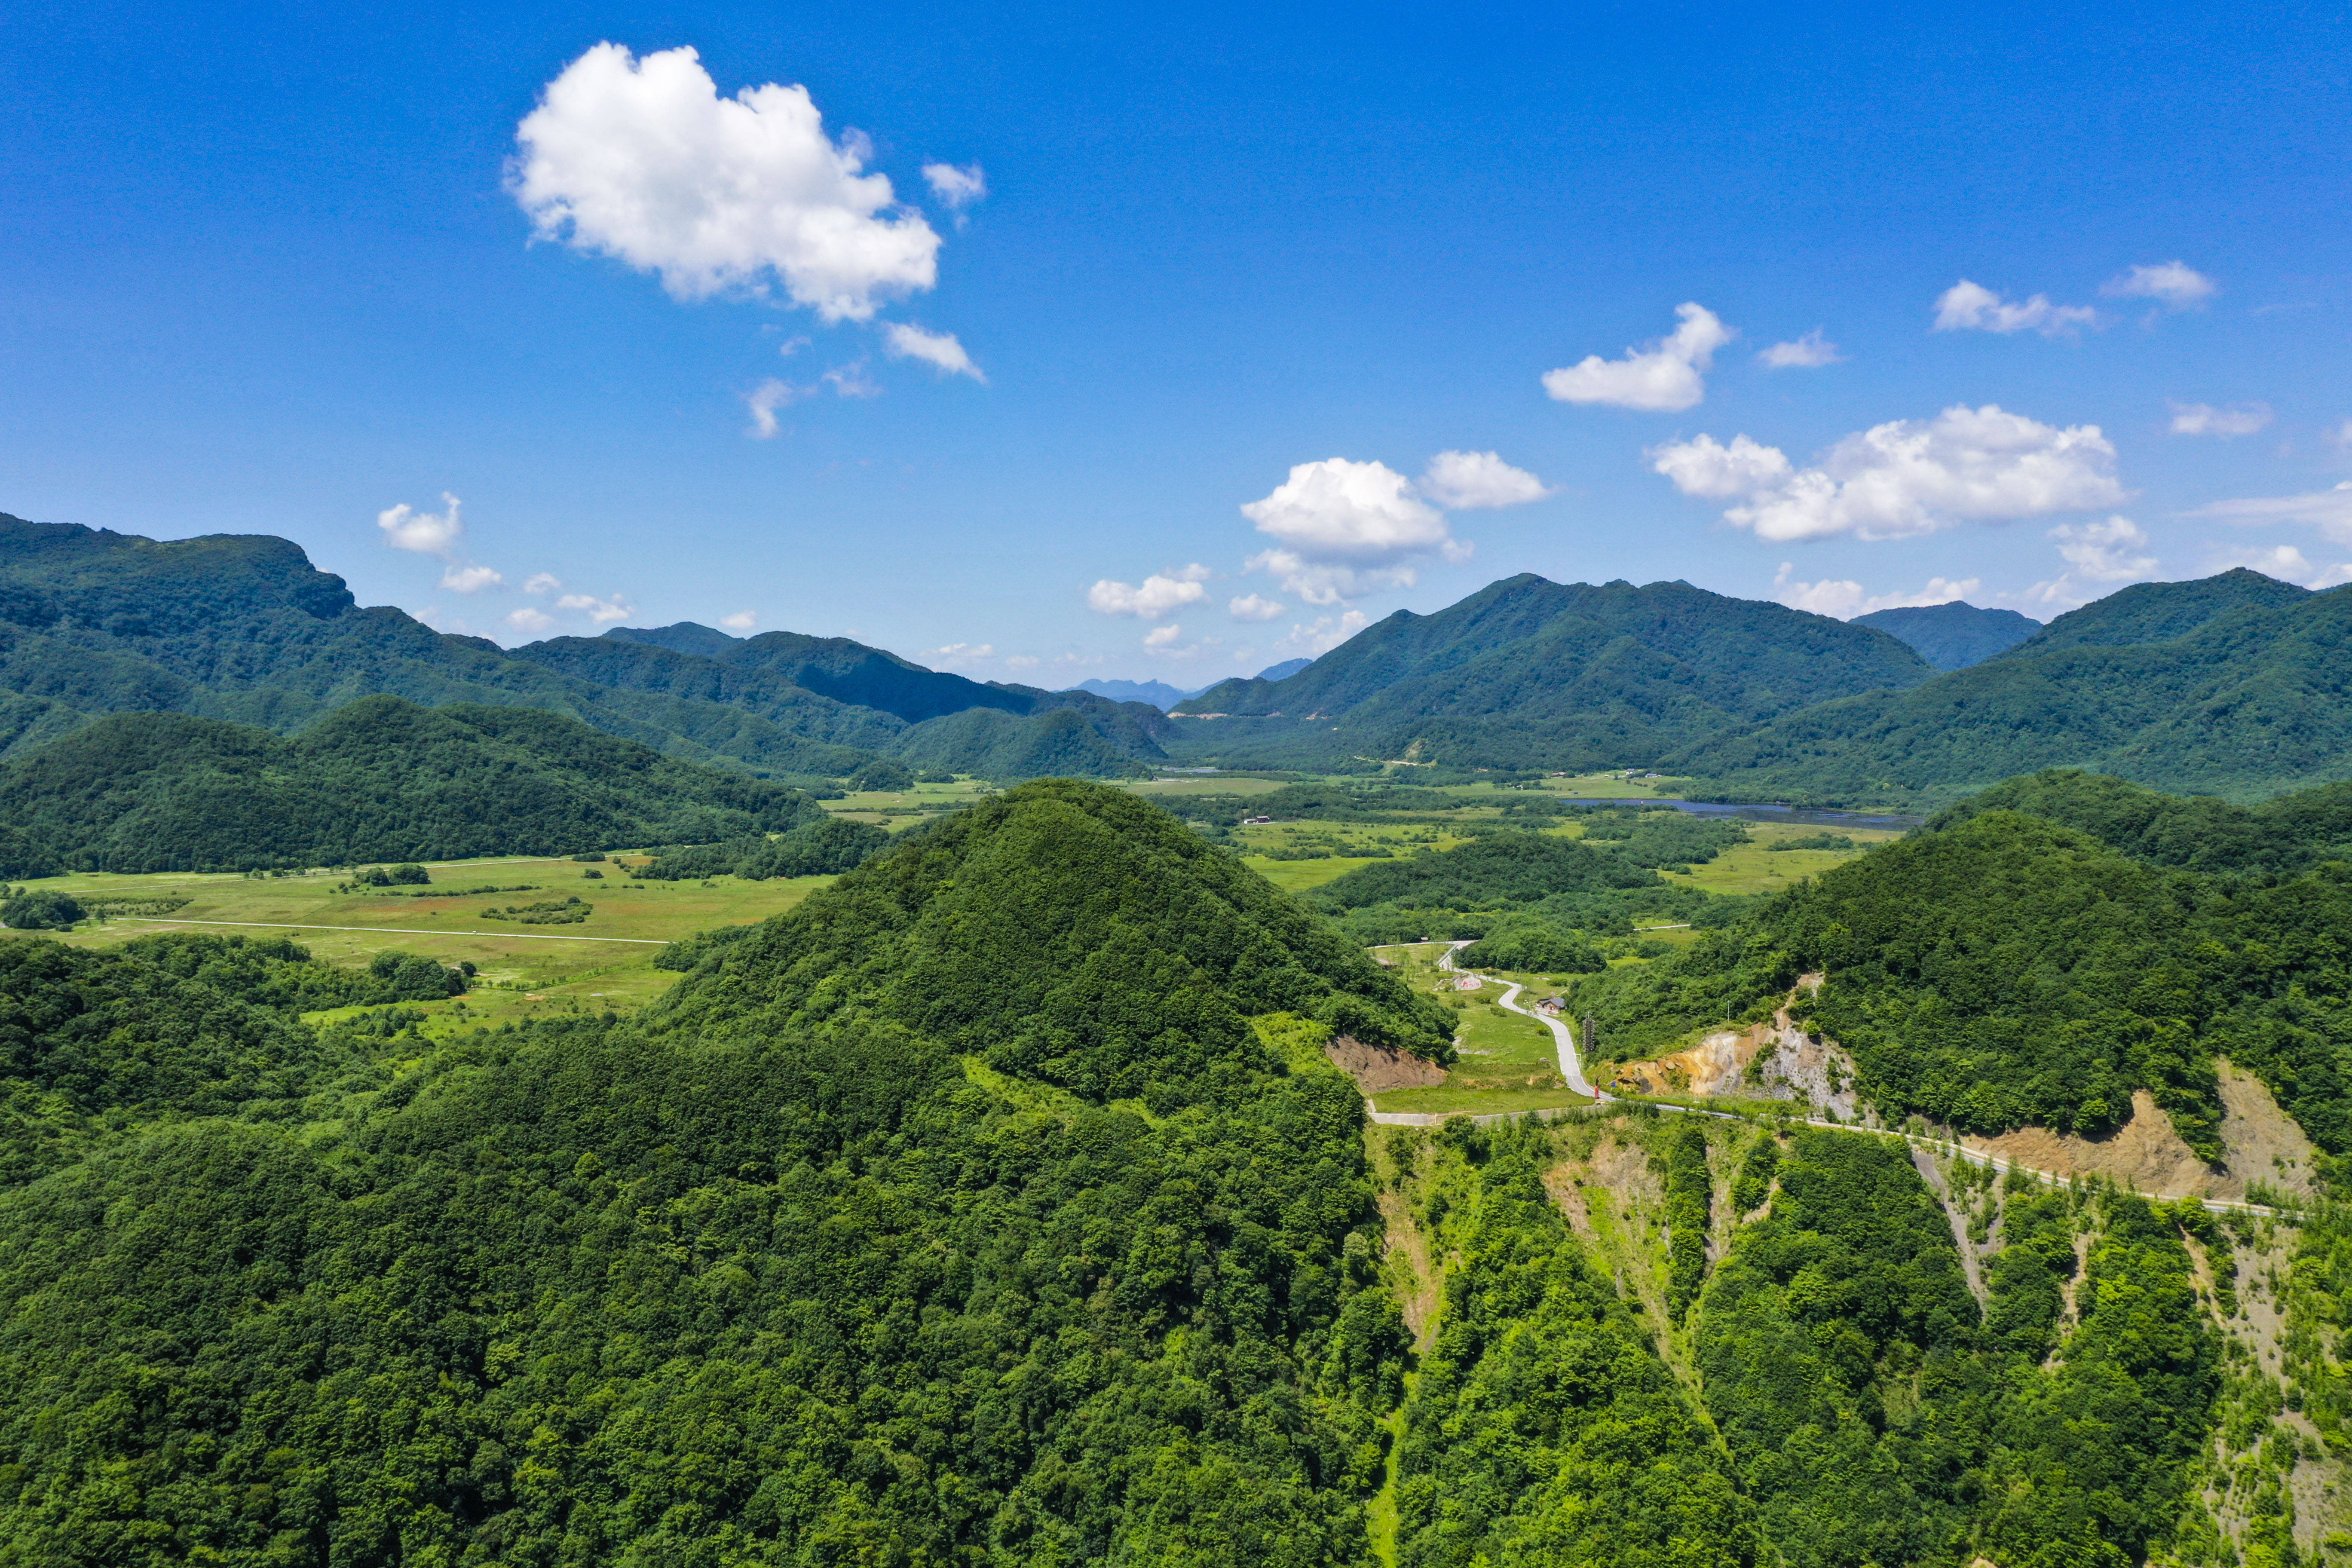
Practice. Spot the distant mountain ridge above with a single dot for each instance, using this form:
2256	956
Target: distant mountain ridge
379	779
246	629
1528	672
1952	635
2237	685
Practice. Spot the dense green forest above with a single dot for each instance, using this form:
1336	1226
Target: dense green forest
2233	685
380	779
1527	672
812	849
964	1214
2004	969
246	629
997	1206
1851	1403
1953	635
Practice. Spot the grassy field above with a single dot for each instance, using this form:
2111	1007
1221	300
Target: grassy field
899	809
1756	868
525	971
1505	1061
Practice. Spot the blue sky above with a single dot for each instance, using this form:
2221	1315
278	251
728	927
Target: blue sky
274	270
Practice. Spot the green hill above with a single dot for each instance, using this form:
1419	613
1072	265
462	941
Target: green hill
1953	635
1527	672
2256	698
379	779
997	1206
2282	836
245	630
960	1214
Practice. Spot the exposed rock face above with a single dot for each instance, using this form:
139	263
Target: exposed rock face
2260	1143
1378	1068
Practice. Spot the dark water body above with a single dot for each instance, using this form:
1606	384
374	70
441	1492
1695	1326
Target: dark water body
1803	815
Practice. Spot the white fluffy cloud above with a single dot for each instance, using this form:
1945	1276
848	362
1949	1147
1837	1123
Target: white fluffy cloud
1151	598
426	533
1972	307
1461	481
543	583
2097	555
1902	478
956	188
1162	637
460	579
2174	285
1843	599
2328	511
763	400
1319	636
964	653
2204	419
938	350
1255	607
1808	352
741	621
599	611
643	161
1665	377
1348	511
530	621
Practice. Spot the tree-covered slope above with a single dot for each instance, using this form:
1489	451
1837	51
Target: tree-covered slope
380	779
2161	612
2253	701
1528	672
2007	971
2285	834
1953	635
858	1252
246	629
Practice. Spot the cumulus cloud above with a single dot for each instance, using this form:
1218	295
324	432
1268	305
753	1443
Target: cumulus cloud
741	621
1843	599
1021	661
2174	285
1252	607
426	533
1341	510
1666	376
460	579
849	380
960	653
1808	352
643	161
1151	598
1162	637
530	621
1902	478
1972	307
2204	419
938	350
956	188
1324	634
2097	553
763	400
2328	511
1461	481
543	583
598	610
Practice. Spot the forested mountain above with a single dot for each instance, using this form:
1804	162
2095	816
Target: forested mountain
1529	672
245	630
2255	697
379	779
992	1206
2160	612
997	1206
1953	635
